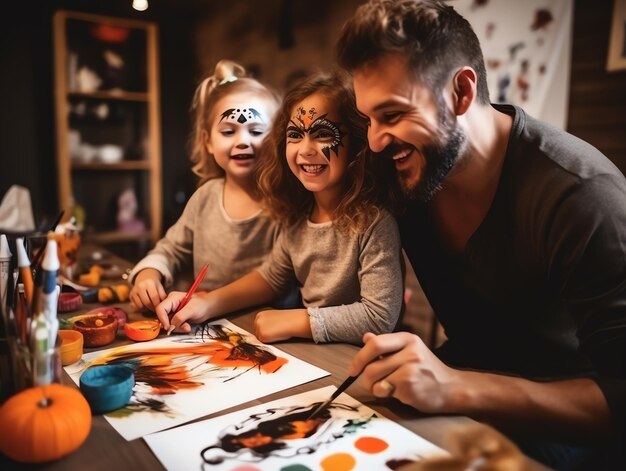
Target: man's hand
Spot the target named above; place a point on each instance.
(401, 365)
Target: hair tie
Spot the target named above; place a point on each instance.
(230, 78)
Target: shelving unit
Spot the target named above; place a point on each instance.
(107, 124)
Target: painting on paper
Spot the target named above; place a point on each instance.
(280, 435)
(182, 378)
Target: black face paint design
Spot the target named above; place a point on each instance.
(245, 114)
(319, 126)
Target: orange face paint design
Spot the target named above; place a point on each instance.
(371, 445)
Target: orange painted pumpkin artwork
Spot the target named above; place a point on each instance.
(44, 423)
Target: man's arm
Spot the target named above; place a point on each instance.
(568, 410)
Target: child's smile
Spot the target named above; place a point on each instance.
(317, 151)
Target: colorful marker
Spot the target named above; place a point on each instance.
(5, 267)
(23, 263)
(45, 325)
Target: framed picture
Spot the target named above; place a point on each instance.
(617, 41)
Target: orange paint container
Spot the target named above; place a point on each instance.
(97, 330)
(71, 346)
(141, 331)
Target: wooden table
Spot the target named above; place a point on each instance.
(106, 449)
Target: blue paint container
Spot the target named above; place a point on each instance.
(107, 387)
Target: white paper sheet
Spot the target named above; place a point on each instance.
(351, 436)
(181, 378)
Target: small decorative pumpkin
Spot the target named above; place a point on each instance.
(44, 423)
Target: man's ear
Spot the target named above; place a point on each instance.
(464, 87)
(207, 142)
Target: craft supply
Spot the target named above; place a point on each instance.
(122, 316)
(23, 263)
(117, 312)
(69, 302)
(107, 387)
(107, 294)
(349, 380)
(71, 346)
(190, 293)
(97, 330)
(142, 330)
(91, 278)
(5, 267)
(39, 255)
(45, 325)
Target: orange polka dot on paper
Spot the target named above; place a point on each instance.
(338, 462)
(371, 445)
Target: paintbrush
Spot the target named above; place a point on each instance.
(189, 294)
(349, 380)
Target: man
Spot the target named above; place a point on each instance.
(516, 231)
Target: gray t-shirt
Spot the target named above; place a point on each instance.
(204, 233)
(350, 283)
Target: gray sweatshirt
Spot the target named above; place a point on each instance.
(350, 283)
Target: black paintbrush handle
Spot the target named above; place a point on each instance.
(349, 380)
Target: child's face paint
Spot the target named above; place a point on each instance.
(240, 123)
(317, 147)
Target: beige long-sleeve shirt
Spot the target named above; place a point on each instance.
(204, 233)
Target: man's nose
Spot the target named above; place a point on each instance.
(377, 137)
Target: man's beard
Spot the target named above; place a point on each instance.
(439, 160)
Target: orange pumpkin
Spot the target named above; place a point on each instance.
(44, 423)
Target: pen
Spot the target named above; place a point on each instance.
(24, 265)
(5, 268)
(189, 294)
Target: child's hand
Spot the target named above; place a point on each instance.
(273, 326)
(195, 311)
(148, 291)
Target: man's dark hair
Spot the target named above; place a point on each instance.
(434, 38)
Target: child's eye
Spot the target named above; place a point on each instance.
(293, 135)
(227, 132)
(257, 132)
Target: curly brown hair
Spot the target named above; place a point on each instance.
(285, 196)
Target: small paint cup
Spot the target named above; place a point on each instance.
(71, 346)
(107, 387)
(97, 330)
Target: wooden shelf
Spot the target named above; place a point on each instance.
(124, 165)
(112, 95)
(112, 237)
(107, 94)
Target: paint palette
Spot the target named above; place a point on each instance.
(278, 435)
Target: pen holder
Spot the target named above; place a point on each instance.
(15, 370)
(46, 366)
